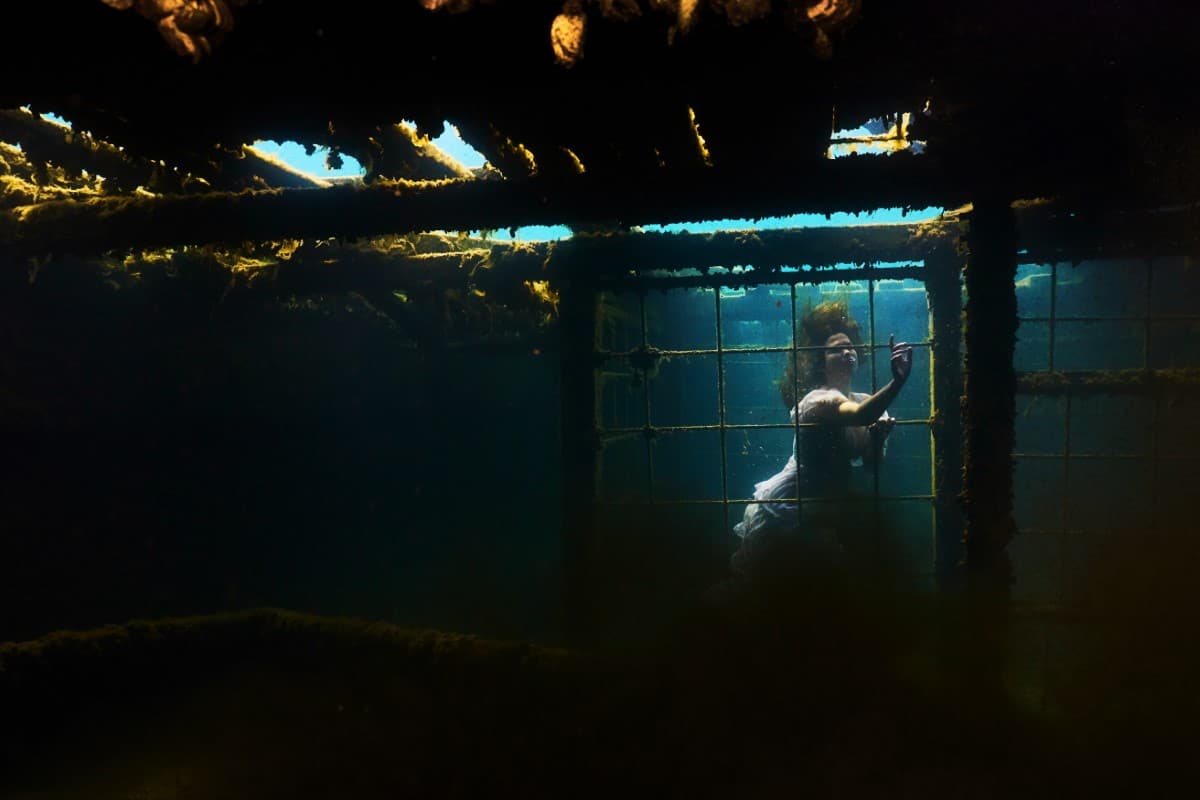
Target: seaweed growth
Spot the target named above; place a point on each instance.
(804, 372)
(24, 182)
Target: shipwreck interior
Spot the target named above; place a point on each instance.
(308, 475)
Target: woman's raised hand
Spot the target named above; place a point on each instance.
(901, 359)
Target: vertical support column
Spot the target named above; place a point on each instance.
(989, 404)
(944, 286)
(988, 418)
(580, 444)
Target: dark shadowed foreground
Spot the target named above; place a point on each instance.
(825, 680)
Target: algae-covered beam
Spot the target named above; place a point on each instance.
(850, 185)
(324, 266)
(42, 140)
(69, 664)
(615, 255)
(758, 277)
(612, 259)
(1110, 382)
(393, 151)
(330, 268)
(511, 158)
(244, 165)
(224, 168)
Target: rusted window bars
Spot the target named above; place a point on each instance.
(643, 359)
(1051, 506)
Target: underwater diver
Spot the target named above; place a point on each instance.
(839, 429)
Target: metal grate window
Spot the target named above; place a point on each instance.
(689, 412)
(1105, 439)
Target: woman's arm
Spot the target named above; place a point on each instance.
(870, 443)
(865, 412)
(877, 433)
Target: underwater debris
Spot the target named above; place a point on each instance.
(574, 160)
(395, 151)
(705, 156)
(645, 358)
(453, 6)
(741, 12)
(567, 32)
(25, 183)
(192, 28)
(896, 138)
(827, 16)
(543, 292)
(620, 10)
(516, 160)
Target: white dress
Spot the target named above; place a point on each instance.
(819, 466)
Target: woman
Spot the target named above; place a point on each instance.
(840, 428)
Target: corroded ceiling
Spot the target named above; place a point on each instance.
(670, 99)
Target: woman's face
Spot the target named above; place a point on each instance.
(840, 355)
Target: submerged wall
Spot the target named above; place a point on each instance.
(172, 453)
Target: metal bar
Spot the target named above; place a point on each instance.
(721, 424)
(647, 429)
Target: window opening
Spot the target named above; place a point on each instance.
(879, 136)
(1100, 348)
(689, 365)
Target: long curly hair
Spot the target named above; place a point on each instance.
(806, 371)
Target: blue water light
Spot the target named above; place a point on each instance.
(294, 155)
